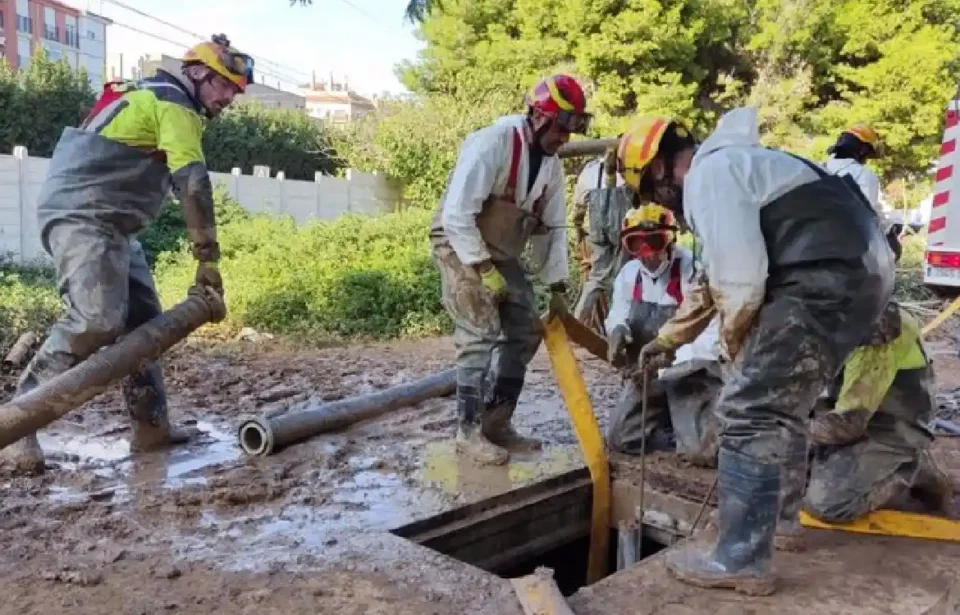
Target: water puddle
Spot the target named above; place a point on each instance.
(455, 475)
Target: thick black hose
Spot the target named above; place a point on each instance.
(56, 397)
(263, 435)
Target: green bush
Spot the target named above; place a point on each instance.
(28, 302)
(367, 277)
(168, 233)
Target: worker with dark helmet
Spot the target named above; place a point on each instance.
(849, 155)
(798, 270)
(106, 182)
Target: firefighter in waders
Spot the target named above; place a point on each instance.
(602, 200)
(646, 293)
(871, 449)
(507, 188)
(106, 182)
(798, 270)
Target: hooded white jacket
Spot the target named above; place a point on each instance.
(867, 180)
(731, 178)
(482, 170)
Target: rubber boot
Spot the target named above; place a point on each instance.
(496, 423)
(838, 428)
(933, 487)
(471, 442)
(790, 534)
(748, 499)
(146, 400)
(25, 457)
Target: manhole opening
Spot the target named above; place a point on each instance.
(510, 535)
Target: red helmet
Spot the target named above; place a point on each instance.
(561, 98)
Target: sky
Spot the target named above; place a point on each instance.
(362, 39)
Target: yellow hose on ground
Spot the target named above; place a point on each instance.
(893, 523)
(942, 317)
(574, 392)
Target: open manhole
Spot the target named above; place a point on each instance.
(510, 535)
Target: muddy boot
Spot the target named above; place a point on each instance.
(497, 423)
(790, 534)
(837, 428)
(24, 457)
(471, 442)
(146, 400)
(933, 487)
(748, 499)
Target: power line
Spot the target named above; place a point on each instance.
(259, 59)
(282, 78)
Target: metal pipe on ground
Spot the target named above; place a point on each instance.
(587, 147)
(263, 435)
(58, 396)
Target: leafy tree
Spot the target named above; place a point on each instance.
(286, 140)
(37, 103)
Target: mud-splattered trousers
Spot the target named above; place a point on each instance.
(830, 275)
(606, 208)
(851, 480)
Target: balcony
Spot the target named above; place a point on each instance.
(24, 24)
(71, 38)
(51, 33)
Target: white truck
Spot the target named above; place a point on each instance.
(941, 263)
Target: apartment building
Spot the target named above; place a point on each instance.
(332, 101)
(65, 33)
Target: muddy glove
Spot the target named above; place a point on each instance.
(192, 184)
(494, 281)
(656, 354)
(617, 344)
(558, 300)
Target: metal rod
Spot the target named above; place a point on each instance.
(587, 147)
(63, 393)
(643, 454)
(263, 435)
(703, 504)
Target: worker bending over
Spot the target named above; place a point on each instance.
(601, 198)
(871, 448)
(646, 293)
(798, 270)
(106, 182)
(849, 155)
(507, 188)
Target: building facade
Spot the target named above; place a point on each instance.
(65, 33)
(333, 102)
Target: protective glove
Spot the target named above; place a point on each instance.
(208, 274)
(558, 300)
(494, 281)
(617, 343)
(656, 354)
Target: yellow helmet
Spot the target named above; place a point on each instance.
(648, 229)
(866, 134)
(640, 144)
(223, 59)
(851, 141)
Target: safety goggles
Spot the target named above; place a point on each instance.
(643, 242)
(573, 122)
(239, 64)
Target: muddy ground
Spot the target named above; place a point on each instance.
(203, 529)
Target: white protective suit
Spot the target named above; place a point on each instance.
(483, 169)
(867, 180)
(655, 285)
(748, 178)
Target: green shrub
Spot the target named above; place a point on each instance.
(368, 277)
(169, 231)
(28, 302)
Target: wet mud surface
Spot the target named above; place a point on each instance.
(203, 528)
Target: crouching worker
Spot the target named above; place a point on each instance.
(507, 188)
(646, 293)
(106, 182)
(870, 451)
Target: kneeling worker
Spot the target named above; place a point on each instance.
(507, 188)
(646, 293)
(871, 449)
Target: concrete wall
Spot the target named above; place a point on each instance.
(325, 198)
